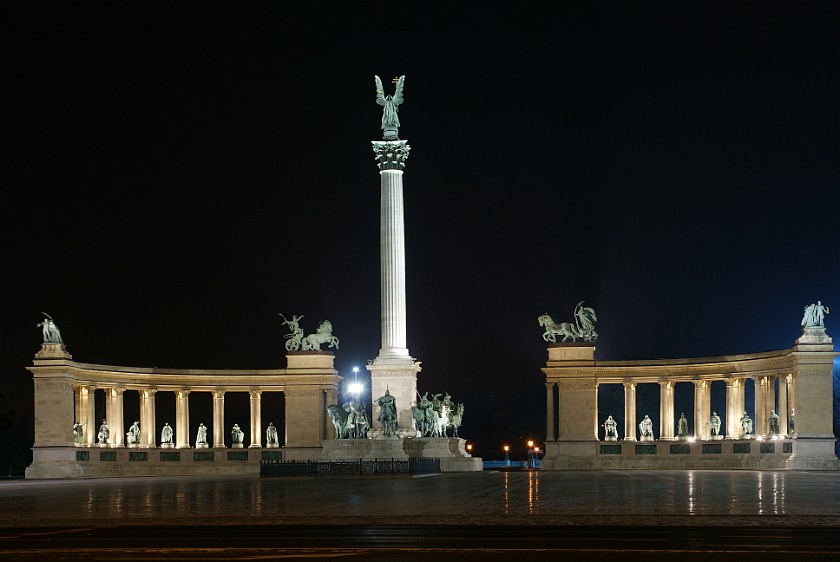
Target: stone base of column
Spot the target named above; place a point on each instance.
(399, 377)
(813, 454)
(273, 446)
(202, 446)
(167, 445)
(237, 446)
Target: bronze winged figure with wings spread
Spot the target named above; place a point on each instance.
(390, 121)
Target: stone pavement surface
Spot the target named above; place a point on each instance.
(626, 498)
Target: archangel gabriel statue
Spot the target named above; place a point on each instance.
(390, 121)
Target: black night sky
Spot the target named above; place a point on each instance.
(178, 173)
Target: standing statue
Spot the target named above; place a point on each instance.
(610, 429)
(201, 436)
(271, 435)
(583, 328)
(104, 434)
(293, 340)
(132, 437)
(646, 429)
(78, 432)
(774, 422)
(746, 426)
(814, 316)
(166, 434)
(714, 422)
(387, 412)
(236, 436)
(682, 427)
(390, 104)
(455, 418)
(49, 329)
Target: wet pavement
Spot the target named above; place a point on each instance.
(615, 513)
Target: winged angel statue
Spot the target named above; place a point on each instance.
(390, 121)
(583, 328)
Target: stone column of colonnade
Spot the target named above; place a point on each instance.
(733, 415)
(792, 403)
(256, 422)
(550, 435)
(182, 419)
(666, 410)
(629, 411)
(762, 385)
(88, 415)
(116, 424)
(701, 409)
(148, 429)
(218, 419)
(783, 408)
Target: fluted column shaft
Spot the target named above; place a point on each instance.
(761, 410)
(550, 434)
(699, 406)
(392, 263)
(732, 415)
(629, 411)
(256, 422)
(218, 419)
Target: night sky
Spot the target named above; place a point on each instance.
(178, 173)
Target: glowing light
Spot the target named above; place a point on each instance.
(530, 444)
(355, 388)
(506, 448)
(692, 439)
(469, 447)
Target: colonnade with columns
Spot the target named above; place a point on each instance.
(802, 375)
(65, 394)
(149, 429)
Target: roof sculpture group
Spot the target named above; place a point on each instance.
(582, 328)
(297, 341)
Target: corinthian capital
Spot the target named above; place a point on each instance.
(391, 155)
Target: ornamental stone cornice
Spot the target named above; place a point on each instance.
(391, 155)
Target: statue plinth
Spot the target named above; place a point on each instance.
(237, 446)
(167, 445)
(272, 446)
(51, 350)
(202, 446)
(313, 359)
(814, 339)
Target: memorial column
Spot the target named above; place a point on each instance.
(550, 434)
(219, 419)
(256, 423)
(629, 411)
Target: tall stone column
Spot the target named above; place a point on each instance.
(256, 422)
(77, 404)
(182, 419)
(117, 426)
(148, 429)
(109, 402)
(393, 369)
(771, 402)
(629, 411)
(783, 410)
(792, 402)
(218, 419)
(550, 434)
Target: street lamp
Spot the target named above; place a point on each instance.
(469, 448)
(507, 458)
(355, 387)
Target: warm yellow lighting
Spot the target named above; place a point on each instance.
(530, 444)
(506, 448)
(469, 447)
(536, 449)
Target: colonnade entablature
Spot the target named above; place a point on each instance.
(65, 399)
(791, 390)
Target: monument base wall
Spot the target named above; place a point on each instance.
(813, 454)
(677, 455)
(450, 450)
(108, 462)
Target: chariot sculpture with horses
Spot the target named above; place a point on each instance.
(582, 328)
(296, 340)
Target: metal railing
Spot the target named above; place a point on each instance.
(327, 469)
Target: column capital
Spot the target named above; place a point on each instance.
(149, 392)
(629, 385)
(255, 393)
(117, 390)
(218, 394)
(182, 393)
(391, 155)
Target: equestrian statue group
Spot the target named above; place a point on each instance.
(433, 417)
(296, 341)
(583, 327)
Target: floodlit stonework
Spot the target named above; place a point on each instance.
(574, 438)
(64, 394)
